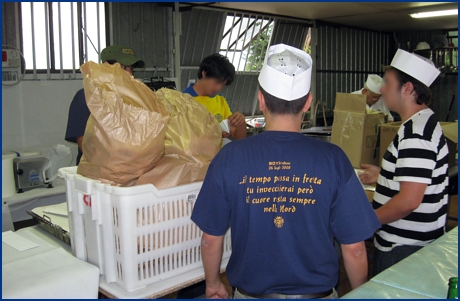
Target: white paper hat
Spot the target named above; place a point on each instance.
(374, 83)
(286, 72)
(416, 66)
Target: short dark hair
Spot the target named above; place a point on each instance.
(219, 67)
(423, 93)
(278, 106)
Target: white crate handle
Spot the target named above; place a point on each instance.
(95, 209)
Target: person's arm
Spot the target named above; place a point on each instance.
(80, 143)
(355, 262)
(78, 117)
(409, 197)
(211, 252)
(238, 121)
(370, 175)
(240, 132)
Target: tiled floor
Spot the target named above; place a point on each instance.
(344, 284)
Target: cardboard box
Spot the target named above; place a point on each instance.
(355, 130)
(388, 132)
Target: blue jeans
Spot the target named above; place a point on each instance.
(384, 260)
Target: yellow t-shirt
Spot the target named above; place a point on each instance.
(217, 105)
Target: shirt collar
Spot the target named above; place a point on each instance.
(193, 93)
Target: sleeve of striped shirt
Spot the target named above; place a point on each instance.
(416, 161)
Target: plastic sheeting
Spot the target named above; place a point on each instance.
(425, 274)
(374, 290)
(124, 136)
(427, 271)
(193, 138)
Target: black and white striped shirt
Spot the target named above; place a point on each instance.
(418, 154)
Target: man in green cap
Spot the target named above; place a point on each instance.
(79, 112)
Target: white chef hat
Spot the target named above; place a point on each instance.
(374, 83)
(416, 66)
(286, 72)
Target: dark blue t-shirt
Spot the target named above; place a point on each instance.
(78, 116)
(285, 197)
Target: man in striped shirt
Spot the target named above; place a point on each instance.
(411, 193)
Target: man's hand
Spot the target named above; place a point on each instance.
(216, 292)
(232, 132)
(370, 175)
(237, 119)
(238, 122)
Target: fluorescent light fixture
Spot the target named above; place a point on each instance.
(439, 13)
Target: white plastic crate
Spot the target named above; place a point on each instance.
(137, 235)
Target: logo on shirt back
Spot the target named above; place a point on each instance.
(279, 221)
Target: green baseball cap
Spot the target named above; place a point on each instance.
(123, 55)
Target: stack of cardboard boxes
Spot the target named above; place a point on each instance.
(355, 129)
(450, 129)
(364, 136)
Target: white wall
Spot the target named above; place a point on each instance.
(34, 114)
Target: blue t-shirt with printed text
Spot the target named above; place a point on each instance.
(285, 197)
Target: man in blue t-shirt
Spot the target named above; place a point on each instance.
(285, 197)
(78, 111)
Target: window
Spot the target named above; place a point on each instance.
(307, 44)
(452, 37)
(62, 35)
(245, 41)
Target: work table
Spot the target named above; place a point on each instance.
(424, 274)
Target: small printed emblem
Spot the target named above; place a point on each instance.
(279, 221)
(191, 198)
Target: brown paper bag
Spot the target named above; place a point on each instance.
(124, 136)
(193, 138)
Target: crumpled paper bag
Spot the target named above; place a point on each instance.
(124, 136)
(193, 138)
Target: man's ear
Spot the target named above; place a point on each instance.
(364, 91)
(307, 105)
(203, 74)
(408, 88)
(260, 97)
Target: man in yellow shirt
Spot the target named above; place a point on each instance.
(215, 72)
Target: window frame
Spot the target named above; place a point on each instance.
(79, 47)
(228, 49)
